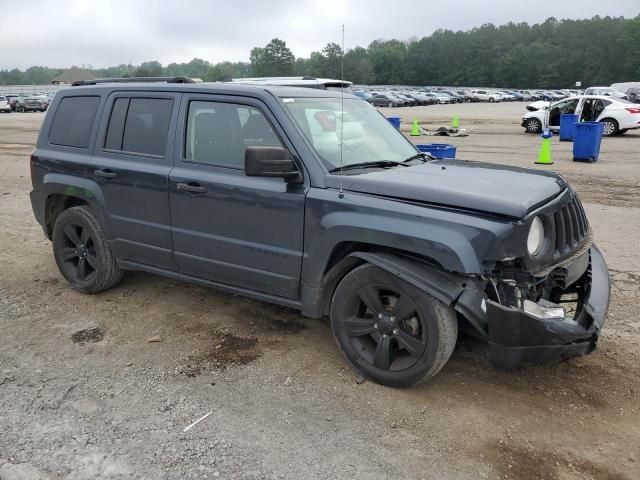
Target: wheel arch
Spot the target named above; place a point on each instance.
(615, 122)
(538, 120)
(344, 257)
(55, 204)
(61, 191)
(462, 293)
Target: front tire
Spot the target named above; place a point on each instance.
(610, 127)
(389, 330)
(533, 125)
(82, 252)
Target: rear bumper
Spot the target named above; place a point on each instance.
(516, 337)
(630, 124)
(32, 107)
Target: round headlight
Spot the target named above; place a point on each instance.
(535, 240)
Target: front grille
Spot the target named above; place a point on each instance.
(571, 227)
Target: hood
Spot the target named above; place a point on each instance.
(496, 189)
(539, 105)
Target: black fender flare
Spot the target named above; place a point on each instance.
(465, 294)
(81, 188)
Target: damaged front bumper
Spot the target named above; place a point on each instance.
(523, 336)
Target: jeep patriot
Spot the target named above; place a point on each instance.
(298, 197)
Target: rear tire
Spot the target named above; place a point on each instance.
(389, 330)
(82, 252)
(610, 127)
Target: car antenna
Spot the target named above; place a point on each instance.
(341, 194)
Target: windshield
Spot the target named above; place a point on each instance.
(368, 136)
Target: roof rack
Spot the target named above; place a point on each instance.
(305, 81)
(96, 81)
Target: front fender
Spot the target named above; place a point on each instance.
(464, 294)
(454, 240)
(442, 285)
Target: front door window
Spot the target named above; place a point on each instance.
(567, 106)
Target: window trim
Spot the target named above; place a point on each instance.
(183, 146)
(106, 133)
(137, 95)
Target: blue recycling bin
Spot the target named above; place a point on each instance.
(567, 124)
(395, 121)
(586, 141)
(438, 150)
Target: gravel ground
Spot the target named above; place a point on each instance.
(103, 386)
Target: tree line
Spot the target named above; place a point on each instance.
(552, 54)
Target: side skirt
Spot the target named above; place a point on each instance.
(265, 297)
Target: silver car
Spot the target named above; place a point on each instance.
(4, 105)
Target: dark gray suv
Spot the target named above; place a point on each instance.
(281, 194)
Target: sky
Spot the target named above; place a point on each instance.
(102, 33)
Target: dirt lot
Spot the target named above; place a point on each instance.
(84, 394)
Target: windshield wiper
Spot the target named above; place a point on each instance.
(423, 156)
(376, 164)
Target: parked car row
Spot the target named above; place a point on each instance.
(22, 103)
(409, 96)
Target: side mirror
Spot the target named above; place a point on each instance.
(262, 161)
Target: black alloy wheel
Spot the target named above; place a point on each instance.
(386, 328)
(389, 330)
(78, 252)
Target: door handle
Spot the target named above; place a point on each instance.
(191, 187)
(105, 173)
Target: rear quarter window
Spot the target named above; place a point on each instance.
(73, 121)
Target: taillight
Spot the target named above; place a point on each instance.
(633, 109)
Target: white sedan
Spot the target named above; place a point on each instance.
(618, 115)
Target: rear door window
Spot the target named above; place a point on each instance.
(139, 125)
(73, 121)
